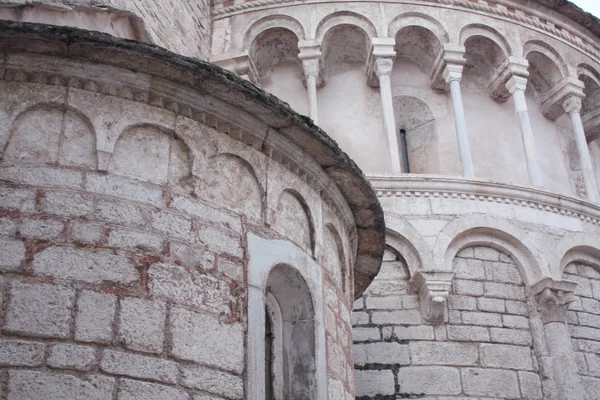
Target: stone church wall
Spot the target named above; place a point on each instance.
(482, 350)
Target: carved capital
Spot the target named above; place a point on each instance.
(553, 105)
(433, 288)
(502, 85)
(381, 59)
(572, 104)
(450, 55)
(310, 55)
(453, 72)
(554, 298)
(516, 83)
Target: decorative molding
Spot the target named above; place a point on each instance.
(433, 288)
(554, 298)
(553, 106)
(497, 8)
(273, 148)
(437, 186)
(381, 59)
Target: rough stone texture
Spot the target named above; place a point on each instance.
(36, 385)
(137, 366)
(95, 316)
(69, 356)
(19, 353)
(141, 325)
(212, 381)
(136, 390)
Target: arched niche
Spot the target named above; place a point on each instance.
(416, 119)
(546, 68)
(293, 219)
(153, 154)
(291, 312)
(418, 45)
(591, 102)
(345, 46)
(484, 57)
(277, 21)
(231, 181)
(334, 259)
(342, 18)
(47, 134)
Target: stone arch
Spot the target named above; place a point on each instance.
(271, 22)
(272, 47)
(345, 46)
(344, 18)
(490, 232)
(591, 81)
(230, 180)
(51, 133)
(407, 249)
(415, 19)
(474, 30)
(335, 258)
(575, 248)
(546, 67)
(419, 44)
(293, 219)
(153, 154)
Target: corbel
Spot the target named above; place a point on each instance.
(554, 298)
(433, 288)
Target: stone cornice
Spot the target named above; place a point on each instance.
(437, 186)
(212, 96)
(504, 9)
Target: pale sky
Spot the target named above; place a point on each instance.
(591, 6)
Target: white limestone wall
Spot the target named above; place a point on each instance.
(123, 241)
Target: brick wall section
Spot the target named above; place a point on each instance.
(482, 350)
(584, 325)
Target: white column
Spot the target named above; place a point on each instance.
(311, 73)
(453, 75)
(573, 107)
(516, 86)
(383, 69)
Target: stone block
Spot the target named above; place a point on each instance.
(486, 253)
(420, 332)
(358, 304)
(47, 229)
(516, 307)
(429, 381)
(490, 305)
(381, 353)
(410, 301)
(515, 322)
(206, 212)
(95, 316)
(374, 383)
(531, 386)
(41, 385)
(20, 353)
(86, 232)
(593, 363)
(234, 270)
(481, 318)
(123, 188)
(134, 240)
(142, 324)
(8, 226)
(220, 241)
(402, 317)
(584, 332)
(192, 256)
(71, 356)
(440, 353)
(212, 381)
(42, 176)
(456, 302)
(13, 199)
(503, 273)
(120, 212)
(384, 303)
(67, 204)
(137, 366)
(12, 254)
(200, 338)
(591, 387)
(360, 318)
(85, 265)
(469, 269)
(366, 334)
(467, 287)
(494, 383)
(511, 336)
(506, 357)
(587, 319)
(137, 390)
(41, 310)
(189, 287)
(504, 291)
(464, 333)
(172, 225)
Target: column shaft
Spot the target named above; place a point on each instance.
(311, 87)
(464, 148)
(385, 89)
(589, 178)
(533, 167)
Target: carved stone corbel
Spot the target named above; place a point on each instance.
(450, 59)
(433, 288)
(554, 101)
(381, 59)
(312, 62)
(500, 83)
(554, 298)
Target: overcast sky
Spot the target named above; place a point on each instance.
(592, 6)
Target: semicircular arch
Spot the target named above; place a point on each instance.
(414, 19)
(271, 22)
(344, 18)
(479, 30)
(575, 248)
(536, 46)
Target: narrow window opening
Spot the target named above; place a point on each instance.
(404, 151)
(269, 392)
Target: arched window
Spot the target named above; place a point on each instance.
(290, 363)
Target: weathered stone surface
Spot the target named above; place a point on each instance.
(38, 385)
(91, 266)
(137, 366)
(136, 390)
(435, 353)
(20, 353)
(12, 254)
(490, 383)
(71, 356)
(199, 337)
(142, 325)
(381, 353)
(506, 356)
(429, 380)
(212, 381)
(46, 229)
(373, 383)
(95, 317)
(41, 310)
